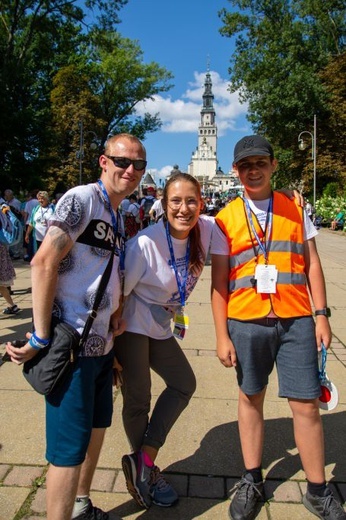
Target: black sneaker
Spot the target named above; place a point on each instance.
(11, 310)
(92, 513)
(326, 507)
(245, 501)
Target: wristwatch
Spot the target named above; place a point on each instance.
(323, 312)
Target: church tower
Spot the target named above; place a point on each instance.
(204, 161)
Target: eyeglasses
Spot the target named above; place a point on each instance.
(176, 204)
(124, 162)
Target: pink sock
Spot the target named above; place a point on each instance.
(147, 460)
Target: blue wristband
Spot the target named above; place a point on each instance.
(34, 343)
(38, 343)
(41, 341)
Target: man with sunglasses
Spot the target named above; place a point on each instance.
(66, 272)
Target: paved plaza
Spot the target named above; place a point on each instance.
(202, 456)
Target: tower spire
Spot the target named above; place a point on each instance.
(204, 160)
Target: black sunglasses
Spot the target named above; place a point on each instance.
(124, 162)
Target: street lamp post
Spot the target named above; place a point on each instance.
(302, 145)
(81, 149)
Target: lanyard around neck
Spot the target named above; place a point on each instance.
(181, 281)
(263, 244)
(115, 221)
(115, 224)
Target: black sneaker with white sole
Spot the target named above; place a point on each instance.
(245, 502)
(326, 507)
(92, 513)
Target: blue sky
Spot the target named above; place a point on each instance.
(182, 35)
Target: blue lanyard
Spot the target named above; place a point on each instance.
(181, 282)
(115, 224)
(322, 368)
(264, 245)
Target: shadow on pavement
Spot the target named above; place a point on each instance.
(219, 456)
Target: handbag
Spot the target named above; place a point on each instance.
(51, 366)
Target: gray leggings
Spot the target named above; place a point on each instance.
(137, 354)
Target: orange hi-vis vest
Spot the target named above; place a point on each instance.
(285, 251)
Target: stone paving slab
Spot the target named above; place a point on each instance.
(202, 456)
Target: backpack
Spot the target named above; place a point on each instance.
(138, 216)
(11, 229)
(145, 208)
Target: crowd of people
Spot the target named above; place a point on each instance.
(33, 214)
(265, 269)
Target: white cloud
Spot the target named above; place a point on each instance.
(184, 114)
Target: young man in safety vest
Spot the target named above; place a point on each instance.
(264, 265)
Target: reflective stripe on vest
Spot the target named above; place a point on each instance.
(278, 246)
(283, 278)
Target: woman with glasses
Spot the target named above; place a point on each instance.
(162, 266)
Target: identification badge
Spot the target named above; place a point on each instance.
(181, 324)
(266, 277)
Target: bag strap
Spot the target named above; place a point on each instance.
(100, 292)
(107, 273)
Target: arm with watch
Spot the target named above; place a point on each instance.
(317, 288)
(323, 312)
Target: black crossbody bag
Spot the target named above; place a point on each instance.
(52, 365)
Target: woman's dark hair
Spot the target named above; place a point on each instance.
(197, 253)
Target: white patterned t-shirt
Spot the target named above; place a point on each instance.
(83, 213)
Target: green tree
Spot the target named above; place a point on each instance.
(45, 45)
(102, 91)
(34, 38)
(281, 47)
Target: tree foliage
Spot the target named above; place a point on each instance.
(58, 69)
(283, 51)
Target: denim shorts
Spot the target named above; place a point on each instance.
(289, 343)
(83, 403)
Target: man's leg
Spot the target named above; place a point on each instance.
(62, 484)
(89, 465)
(73, 447)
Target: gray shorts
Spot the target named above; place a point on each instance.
(289, 343)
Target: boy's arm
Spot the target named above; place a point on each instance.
(219, 301)
(317, 288)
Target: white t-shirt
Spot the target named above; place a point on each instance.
(83, 213)
(150, 283)
(157, 208)
(39, 220)
(219, 244)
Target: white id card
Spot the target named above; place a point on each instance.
(266, 276)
